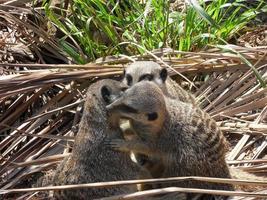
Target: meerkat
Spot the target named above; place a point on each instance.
(176, 135)
(152, 71)
(91, 160)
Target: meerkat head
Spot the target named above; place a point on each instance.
(144, 105)
(145, 70)
(101, 94)
(110, 90)
(105, 91)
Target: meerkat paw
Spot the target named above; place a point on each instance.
(118, 145)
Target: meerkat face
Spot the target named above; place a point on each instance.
(143, 103)
(144, 71)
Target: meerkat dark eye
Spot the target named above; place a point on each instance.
(148, 77)
(163, 74)
(152, 116)
(129, 79)
(105, 92)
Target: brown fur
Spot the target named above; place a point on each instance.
(183, 138)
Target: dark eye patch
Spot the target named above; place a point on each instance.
(152, 116)
(148, 77)
(129, 79)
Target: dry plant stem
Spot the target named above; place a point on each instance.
(41, 160)
(230, 162)
(230, 87)
(56, 110)
(132, 182)
(56, 66)
(187, 190)
(23, 133)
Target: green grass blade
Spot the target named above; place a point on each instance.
(203, 13)
(256, 72)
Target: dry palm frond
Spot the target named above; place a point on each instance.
(34, 35)
(155, 191)
(41, 104)
(40, 100)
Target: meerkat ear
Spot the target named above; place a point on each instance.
(124, 72)
(163, 74)
(105, 93)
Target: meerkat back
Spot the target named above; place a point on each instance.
(151, 71)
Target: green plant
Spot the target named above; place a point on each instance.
(98, 28)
